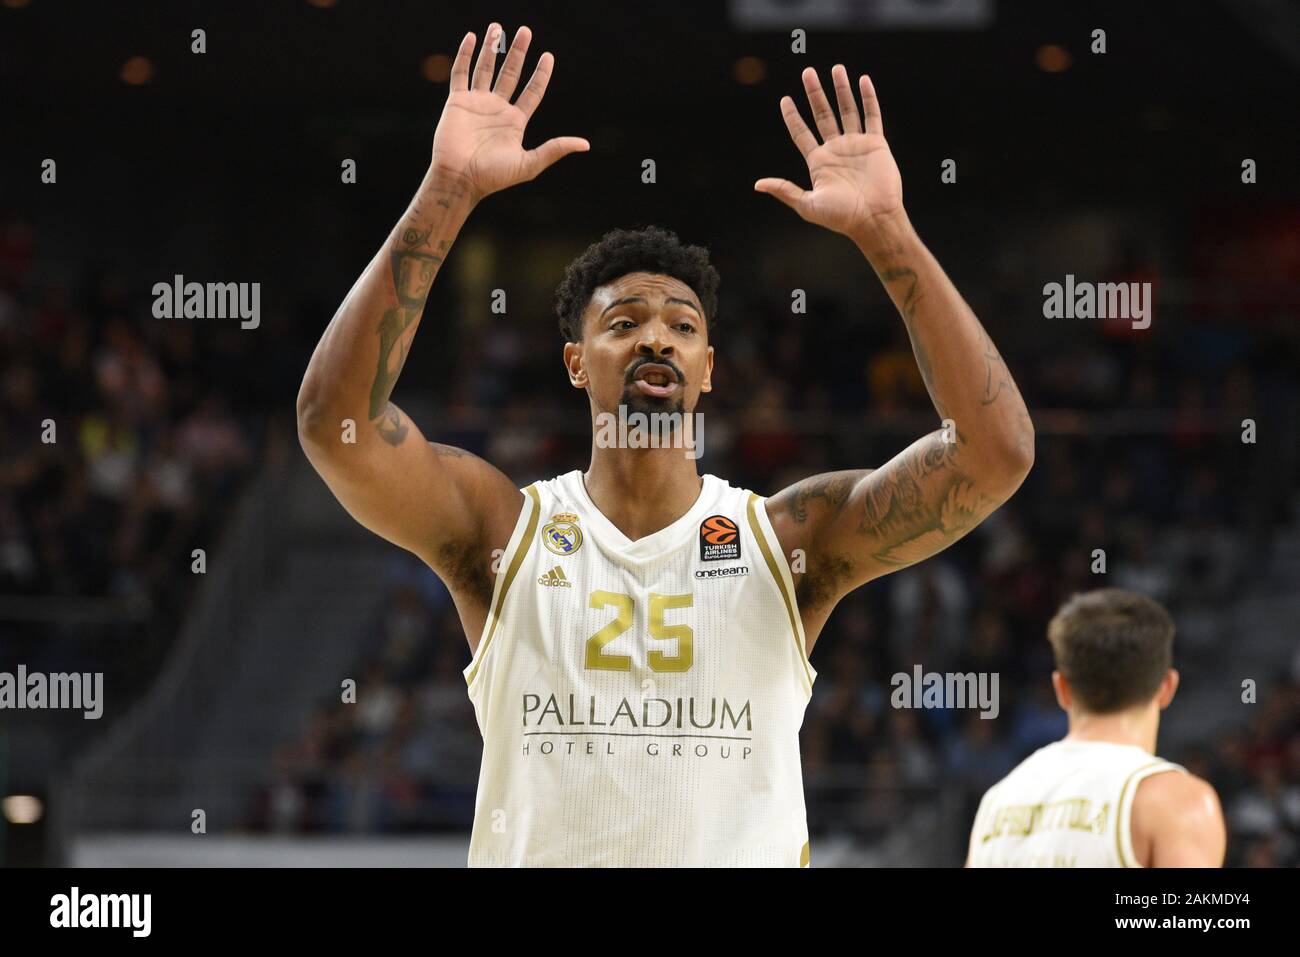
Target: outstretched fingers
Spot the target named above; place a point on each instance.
(486, 64)
(804, 141)
(871, 106)
(508, 79)
(552, 151)
(784, 190)
(823, 116)
(460, 66)
(844, 97)
(536, 88)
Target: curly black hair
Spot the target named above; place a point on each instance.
(621, 251)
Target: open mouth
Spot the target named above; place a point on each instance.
(655, 379)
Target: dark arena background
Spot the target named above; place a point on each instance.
(161, 526)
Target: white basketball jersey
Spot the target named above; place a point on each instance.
(1068, 804)
(640, 701)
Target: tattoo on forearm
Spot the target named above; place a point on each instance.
(927, 376)
(997, 378)
(413, 275)
(391, 335)
(913, 295)
(998, 381)
(911, 299)
(413, 270)
(413, 237)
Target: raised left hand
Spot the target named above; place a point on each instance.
(856, 186)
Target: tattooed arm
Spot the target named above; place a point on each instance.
(428, 498)
(856, 526)
(443, 504)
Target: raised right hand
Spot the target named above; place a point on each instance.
(480, 136)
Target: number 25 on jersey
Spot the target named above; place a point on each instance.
(658, 660)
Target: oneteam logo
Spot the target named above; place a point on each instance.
(731, 571)
(555, 579)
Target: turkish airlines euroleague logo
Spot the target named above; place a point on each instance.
(719, 539)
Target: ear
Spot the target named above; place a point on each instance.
(573, 365)
(707, 384)
(1168, 688)
(1062, 689)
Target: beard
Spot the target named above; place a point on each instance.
(637, 401)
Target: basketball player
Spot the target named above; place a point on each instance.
(640, 634)
(1100, 797)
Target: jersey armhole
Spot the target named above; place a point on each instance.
(511, 559)
(1124, 811)
(779, 568)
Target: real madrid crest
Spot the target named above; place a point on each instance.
(562, 534)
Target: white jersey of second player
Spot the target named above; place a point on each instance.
(1069, 804)
(640, 701)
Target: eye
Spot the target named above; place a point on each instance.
(686, 326)
(619, 324)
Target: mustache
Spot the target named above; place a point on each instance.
(645, 361)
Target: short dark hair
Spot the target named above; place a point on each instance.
(622, 251)
(1113, 646)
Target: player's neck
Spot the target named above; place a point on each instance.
(642, 490)
(1128, 727)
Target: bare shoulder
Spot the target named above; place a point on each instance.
(1173, 794)
(1177, 821)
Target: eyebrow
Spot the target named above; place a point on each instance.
(637, 299)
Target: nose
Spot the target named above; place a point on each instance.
(654, 340)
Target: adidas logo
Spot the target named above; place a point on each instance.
(555, 579)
